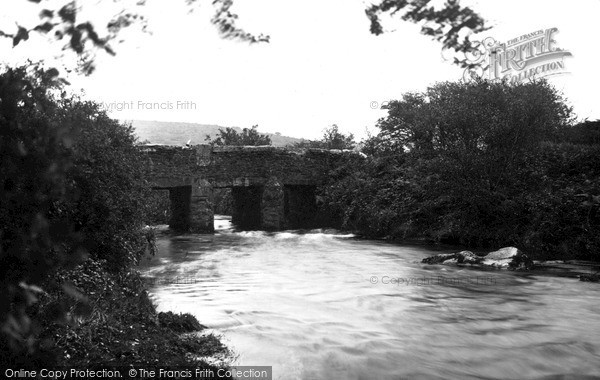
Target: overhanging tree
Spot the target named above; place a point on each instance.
(451, 24)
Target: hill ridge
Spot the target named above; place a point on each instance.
(179, 133)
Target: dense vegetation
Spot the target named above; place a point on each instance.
(248, 136)
(332, 138)
(479, 164)
(73, 202)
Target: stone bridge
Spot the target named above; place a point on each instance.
(272, 188)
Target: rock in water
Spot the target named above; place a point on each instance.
(463, 257)
(508, 257)
(468, 257)
(439, 259)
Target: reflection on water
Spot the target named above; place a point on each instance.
(323, 305)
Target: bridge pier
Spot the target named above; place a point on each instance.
(272, 205)
(201, 217)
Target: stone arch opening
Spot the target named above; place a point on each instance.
(180, 207)
(300, 206)
(246, 213)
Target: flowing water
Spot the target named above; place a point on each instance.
(324, 305)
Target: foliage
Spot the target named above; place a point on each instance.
(179, 322)
(63, 23)
(158, 207)
(332, 139)
(565, 216)
(109, 176)
(479, 164)
(35, 237)
(121, 327)
(225, 21)
(230, 136)
(449, 24)
(223, 201)
(587, 133)
(73, 185)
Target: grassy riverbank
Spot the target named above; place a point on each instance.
(111, 321)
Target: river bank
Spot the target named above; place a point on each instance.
(112, 322)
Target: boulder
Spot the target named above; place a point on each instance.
(508, 257)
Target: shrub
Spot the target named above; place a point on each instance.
(73, 185)
(479, 164)
(36, 236)
(109, 175)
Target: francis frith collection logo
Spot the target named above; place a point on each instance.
(530, 56)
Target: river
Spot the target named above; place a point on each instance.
(325, 305)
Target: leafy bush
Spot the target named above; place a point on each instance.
(109, 175)
(565, 213)
(158, 207)
(249, 136)
(73, 185)
(479, 164)
(35, 235)
(332, 139)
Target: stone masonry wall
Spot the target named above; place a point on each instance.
(227, 166)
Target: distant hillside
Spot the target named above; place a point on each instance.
(175, 133)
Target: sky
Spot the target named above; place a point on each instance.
(321, 67)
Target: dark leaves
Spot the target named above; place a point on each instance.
(249, 136)
(225, 21)
(109, 50)
(46, 13)
(76, 42)
(63, 24)
(445, 25)
(68, 13)
(91, 33)
(44, 28)
(22, 35)
(50, 74)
